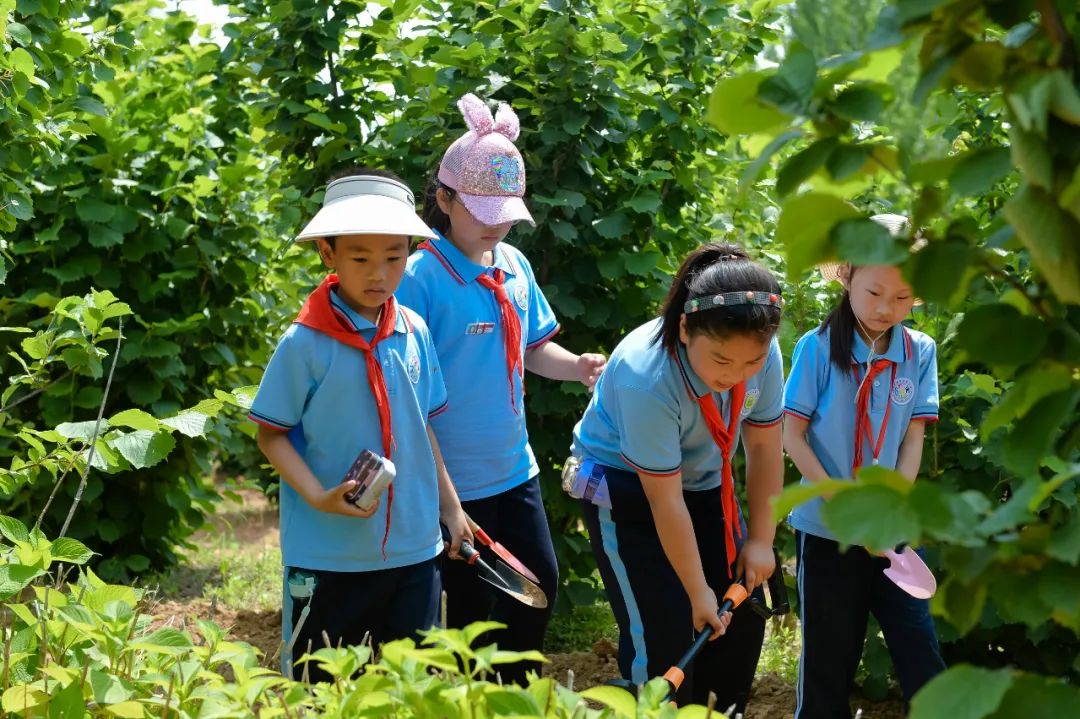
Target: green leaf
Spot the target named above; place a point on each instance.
(622, 701)
(980, 335)
(845, 160)
(645, 201)
(858, 104)
(804, 228)
(82, 430)
(563, 198)
(1018, 400)
(13, 530)
(73, 43)
(962, 604)
(70, 550)
(796, 494)
(92, 105)
(165, 640)
(91, 209)
(792, 87)
(936, 270)
(15, 577)
(189, 423)
(865, 242)
(1030, 153)
(961, 692)
(143, 448)
(1038, 697)
(803, 164)
(1030, 440)
(135, 419)
(979, 170)
(20, 33)
(108, 689)
(895, 522)
(614, 226)
(130, 709)
(21, 61)
(320, 120)
(1050, 235)
(753, 170)
(735, 110)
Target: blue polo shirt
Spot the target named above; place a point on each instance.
(817, 391)
(642, 417)
(316, 388)
(483, 439)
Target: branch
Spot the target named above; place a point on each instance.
(1054, 27)
(97, 429)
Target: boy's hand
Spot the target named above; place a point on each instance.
(454, 520)
(332, 501)
(590, 366)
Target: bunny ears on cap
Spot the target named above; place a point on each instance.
(483, 165)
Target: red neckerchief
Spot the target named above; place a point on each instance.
(725, 440)
(511, 328)
(319, 314)
(511, 323)
(863, 425)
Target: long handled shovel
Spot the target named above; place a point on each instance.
(735, 595)
(501, 576)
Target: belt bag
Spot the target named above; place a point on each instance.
(584, 479)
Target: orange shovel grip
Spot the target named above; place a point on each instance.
(675, 677)
(737, 594)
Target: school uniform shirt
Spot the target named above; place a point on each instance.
(818, 392)
(644, 414)
(316, 388)
(482, 435)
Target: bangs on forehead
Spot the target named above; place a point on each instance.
(372, 243)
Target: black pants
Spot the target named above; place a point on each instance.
(515, 519)
(650, 604)
(386, 604)
(837, 593)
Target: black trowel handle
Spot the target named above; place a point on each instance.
(467, 551)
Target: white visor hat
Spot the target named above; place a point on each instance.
(366, 205)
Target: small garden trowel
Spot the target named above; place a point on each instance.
(502, 577)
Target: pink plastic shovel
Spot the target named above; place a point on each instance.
(908, 571)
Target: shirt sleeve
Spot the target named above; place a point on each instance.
(540, 322)
(437, 397)
(926, 397)
(649, 431)
(287, 383)
(769, 408)
(802, 391)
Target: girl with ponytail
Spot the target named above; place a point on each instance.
(861, 390)
(677, 396)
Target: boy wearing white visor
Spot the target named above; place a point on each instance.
(356, 374)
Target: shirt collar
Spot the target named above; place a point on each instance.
(690, 378)
(465, 269)
(898, 350)
(361, 323)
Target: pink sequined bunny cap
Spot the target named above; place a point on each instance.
(484, 167)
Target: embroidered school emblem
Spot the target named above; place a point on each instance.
(507, 172)
(521, 296)
(750, 402)
(903, 390)
(412, 365)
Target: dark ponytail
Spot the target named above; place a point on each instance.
(841, 325)
(433, 215)
(712, 269)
